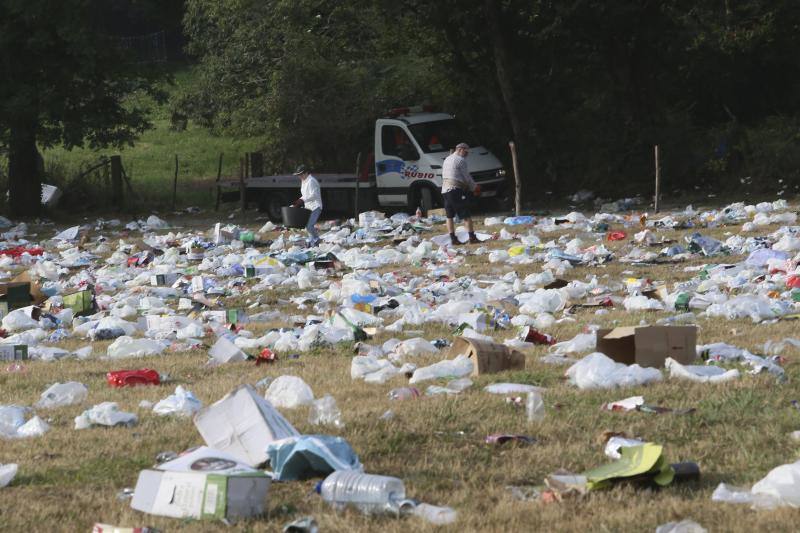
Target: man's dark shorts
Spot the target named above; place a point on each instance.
(456, 202)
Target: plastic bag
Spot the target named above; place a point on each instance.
(582, 342)
(642, 303)
(541, 301)
(459, 367)
(60, 394)
(325, 411)
(289, 392)
(125, 346)
(684, 526)
(438, 516)
(181, 403)
(7, 473)
(596, 371)
(306, 456)
(781, 487)
(19, 320)
(700, 374)
(104, 414)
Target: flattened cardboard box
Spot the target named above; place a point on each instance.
(648, 346)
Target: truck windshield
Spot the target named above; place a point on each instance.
(439, 135)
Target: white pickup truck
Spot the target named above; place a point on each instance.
(404, 170)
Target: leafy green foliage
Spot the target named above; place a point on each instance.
(65, 81)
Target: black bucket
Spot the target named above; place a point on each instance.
(295, 217)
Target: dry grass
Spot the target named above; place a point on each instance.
(70, 479)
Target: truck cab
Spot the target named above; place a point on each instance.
(410, 146)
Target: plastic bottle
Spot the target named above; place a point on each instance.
(534, 407)
(419, 212)
(369, 493)
(404, 393)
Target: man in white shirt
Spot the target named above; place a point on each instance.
(311, 198)
(458, 187)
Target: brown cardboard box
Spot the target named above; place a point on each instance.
(488, 357)
(648, 346)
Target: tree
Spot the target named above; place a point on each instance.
(65, 81)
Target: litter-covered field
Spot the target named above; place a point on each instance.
(607, 371)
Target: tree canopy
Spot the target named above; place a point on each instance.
(584, 87)
(65, 81)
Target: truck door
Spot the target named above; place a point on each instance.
(394, 150)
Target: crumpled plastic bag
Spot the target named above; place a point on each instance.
(596, 371)
(699, 373)
(13, 425)
(325, 411)
(182, 403)
(642, 303)
(289, 392)
(60, 394)
(582, 342)
(7, 473)
(541, 301)
(19, 320)
(415, 347)
(104, 414)
(125, 346)
(307, 456)
(684, 526)
(779, 488)
(457, 368)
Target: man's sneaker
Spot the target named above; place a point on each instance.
(473, 239)
(454, 240)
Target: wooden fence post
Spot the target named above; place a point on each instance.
(175, 184)
(358, 181)
(658, 181)
(116, 181)
(219, 177)
(517, 180)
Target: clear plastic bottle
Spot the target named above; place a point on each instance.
(404, 393)
(534, 407)
(369, 493)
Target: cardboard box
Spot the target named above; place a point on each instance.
(242, 423)
(205, 483)
(13, 352)
(488, 357)
(15, 294)
(80, 302)
(648, 346)
(163, 280)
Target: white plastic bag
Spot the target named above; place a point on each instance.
(289, 392)
(459, 367)
(582, 342)
(325, 411)
(699, 374)
(596, 371)
(104, 414)
(7, 473)
(60, 394)
(182, 403)
(125, 346)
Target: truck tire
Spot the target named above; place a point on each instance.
(426, 200)
(272, 203)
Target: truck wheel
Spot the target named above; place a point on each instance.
(272, 203)
(426, 200)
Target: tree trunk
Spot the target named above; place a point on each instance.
(24, 181)
(503, 71)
